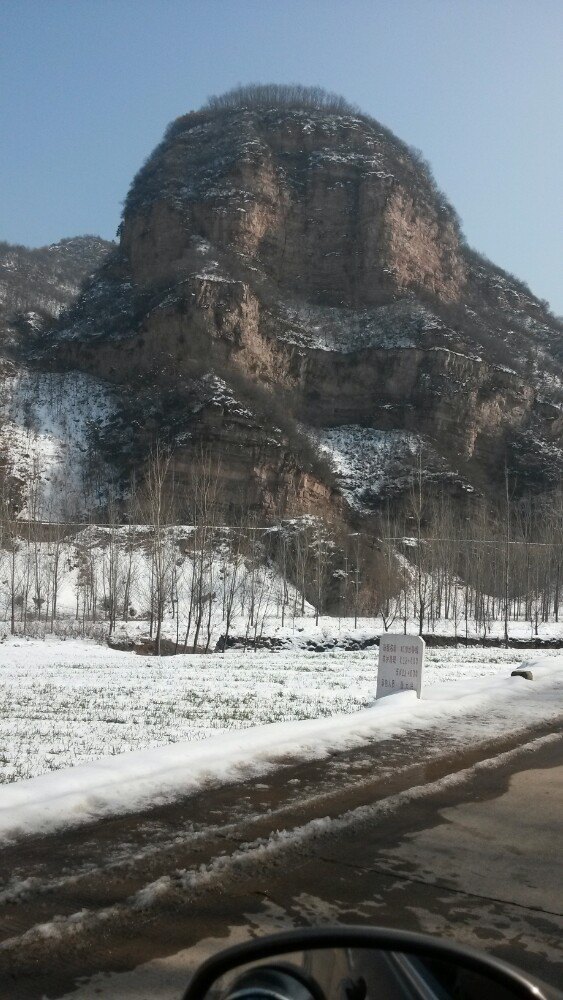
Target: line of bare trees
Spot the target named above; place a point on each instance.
(166, 557)
(477, 565)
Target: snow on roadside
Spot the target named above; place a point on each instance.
(64, 703)
(132, 781)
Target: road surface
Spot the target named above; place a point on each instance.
(427, 835)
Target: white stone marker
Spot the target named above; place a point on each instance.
(401, 658)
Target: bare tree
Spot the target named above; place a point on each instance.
(203, 507)
(157, 501)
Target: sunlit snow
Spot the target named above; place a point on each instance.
(312, 707)
(47, 421)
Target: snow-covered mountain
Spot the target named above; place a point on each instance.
(292, 293)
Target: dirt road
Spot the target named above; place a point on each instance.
(418, 836)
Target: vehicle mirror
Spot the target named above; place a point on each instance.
(357, 964)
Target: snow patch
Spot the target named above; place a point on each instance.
(369, 462)
(331, 328)
(47, 425)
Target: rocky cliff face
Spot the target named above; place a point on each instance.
(291, 289)
(328, 206)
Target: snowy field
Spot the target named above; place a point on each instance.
(89, 706)
(64, 703)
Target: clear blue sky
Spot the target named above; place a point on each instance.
(88, 86)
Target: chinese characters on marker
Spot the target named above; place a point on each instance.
(400, 664)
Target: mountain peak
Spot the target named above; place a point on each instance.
(282, 244)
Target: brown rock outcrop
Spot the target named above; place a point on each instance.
(306, 258)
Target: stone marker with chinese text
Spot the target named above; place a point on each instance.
(401, 658)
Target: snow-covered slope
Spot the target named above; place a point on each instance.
(371, 465)
(48, 429)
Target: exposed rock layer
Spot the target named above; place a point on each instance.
(307, 259)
